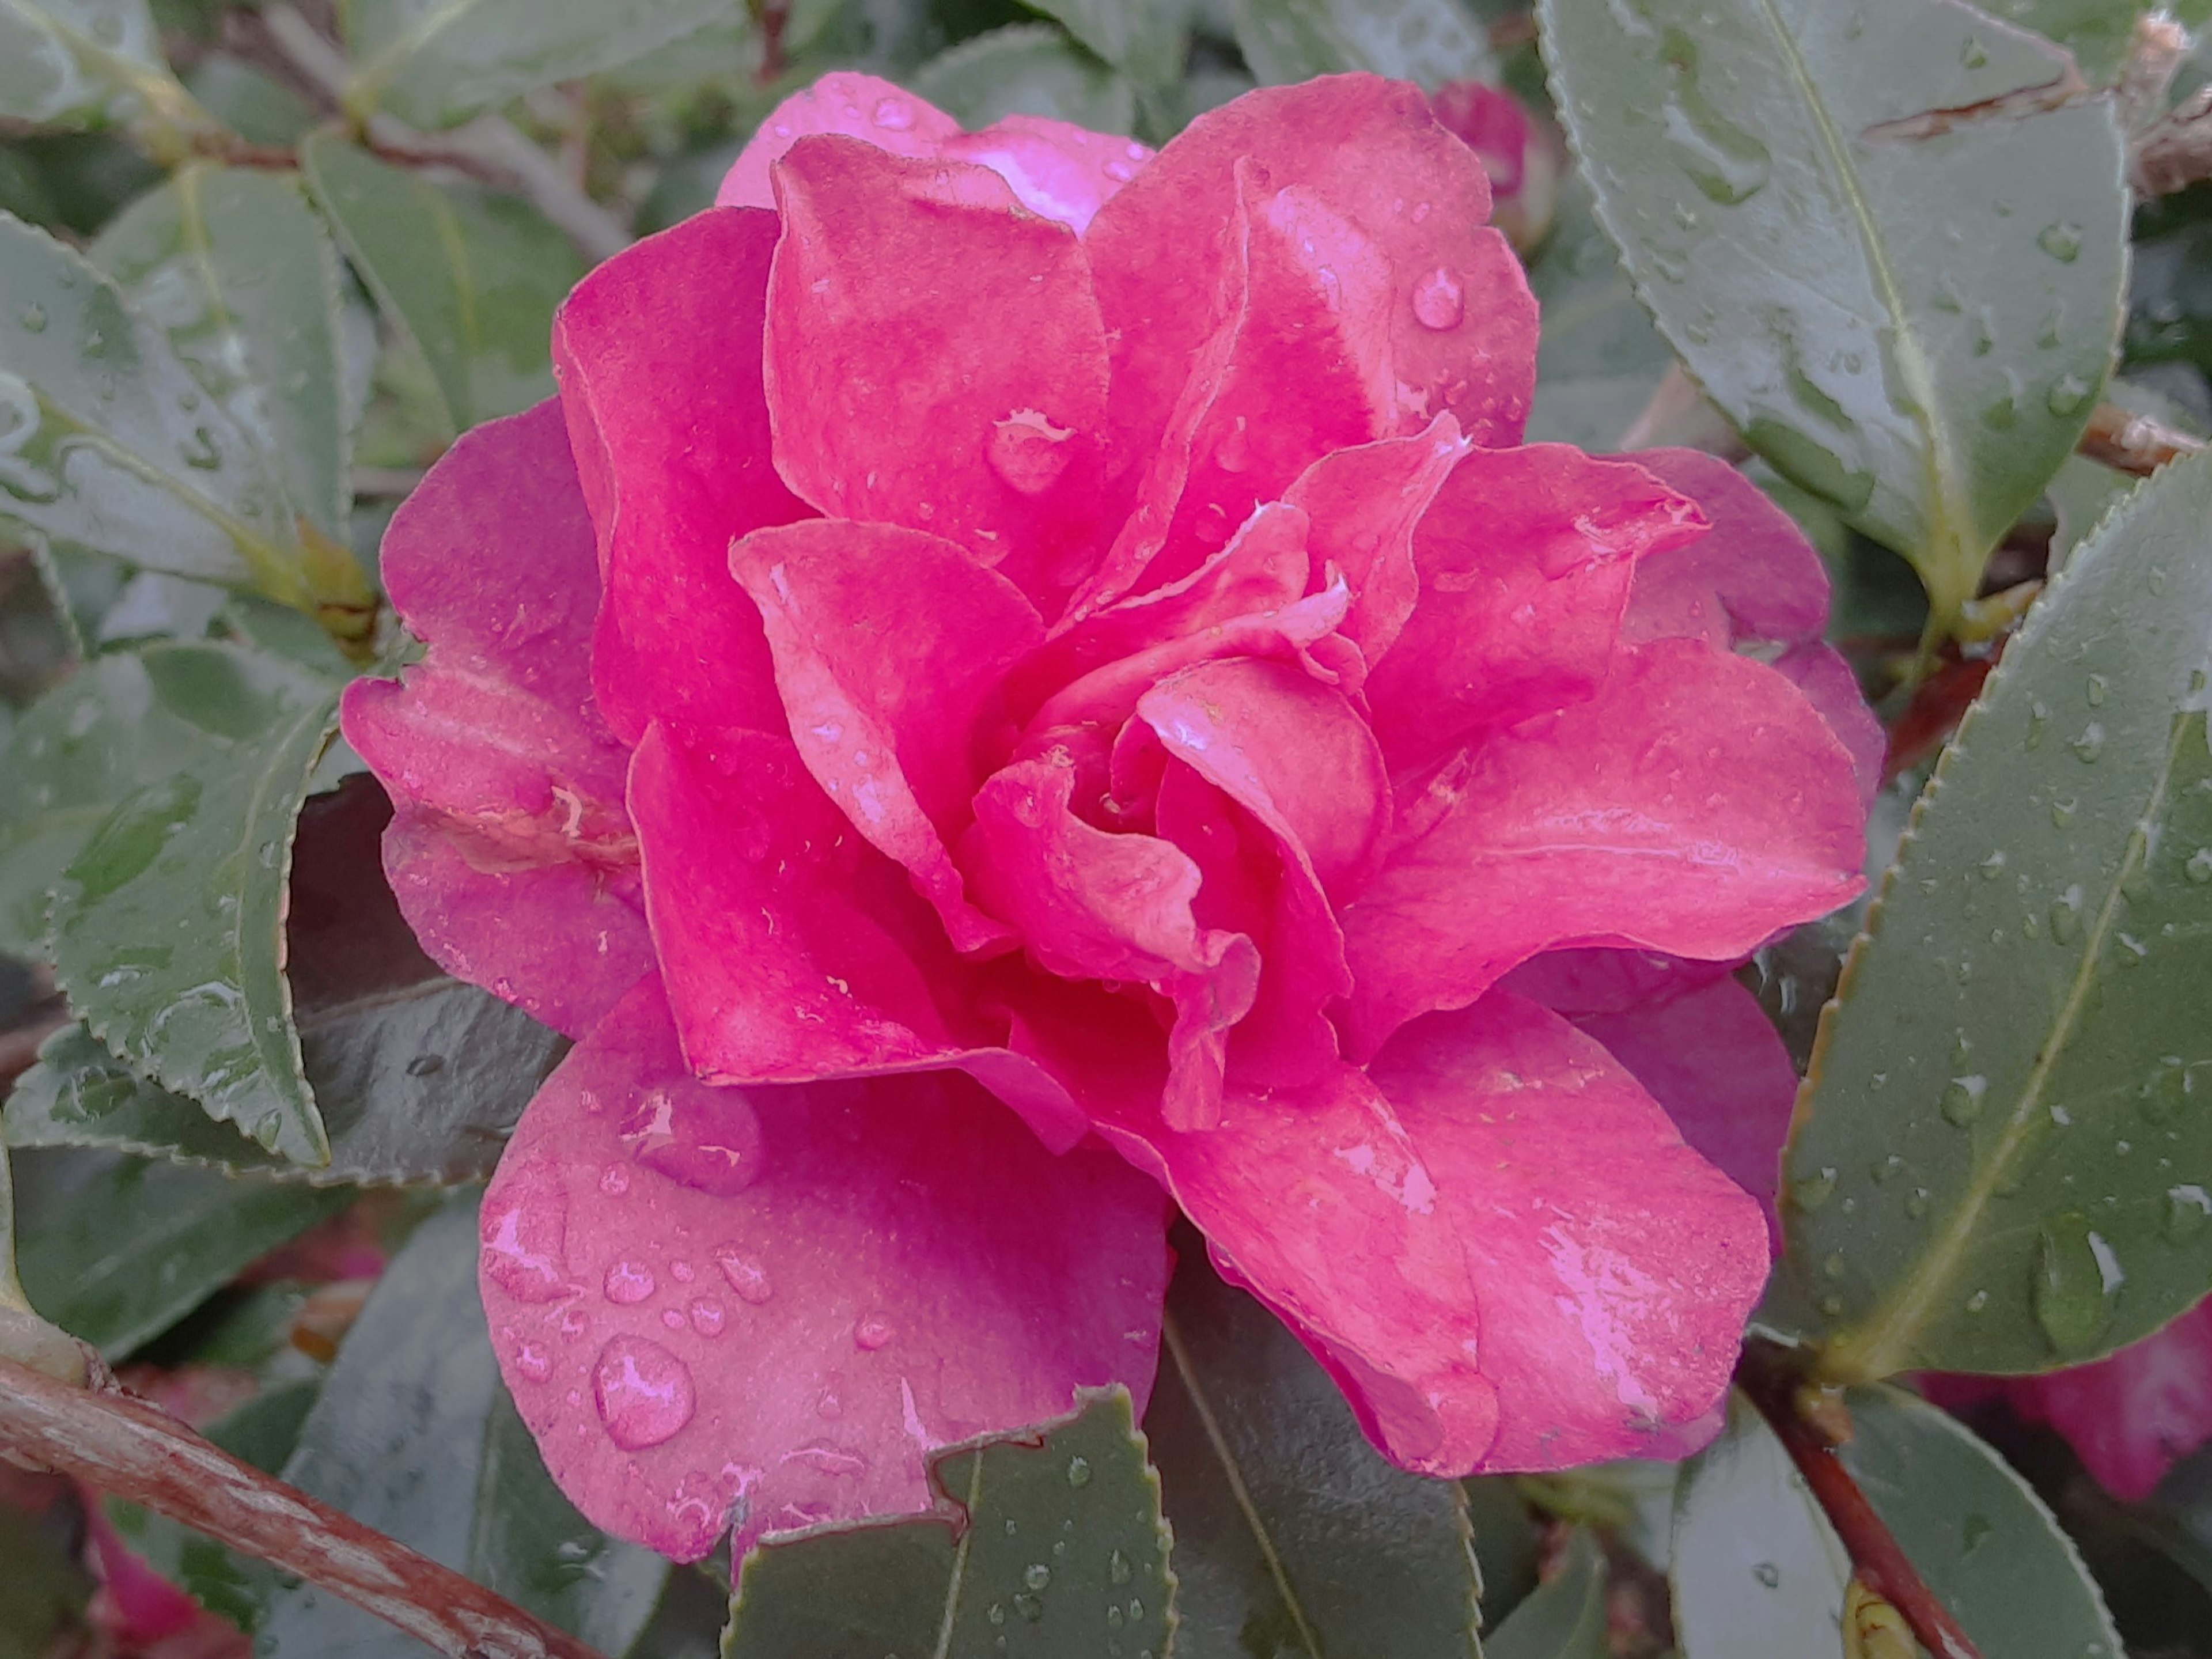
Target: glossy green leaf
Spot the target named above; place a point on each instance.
(1430, 42)
(1146, 39)
(1026, 69)
(1565, 1617)
(473, 276)
(107, 441)
(1758, 1571)
(1599, 359)
(115, 1250)
(1904, 301)
(89, 63)
(2097, 31)
(1047, 1545)
(414, 1435)
(2002, 1158)
(235, 265)
(436, 62)
(168, 923)
(1292, 1534)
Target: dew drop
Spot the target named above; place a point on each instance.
(1916, 1204)
(2188, 1211)
(2066, 915)
(1768, 1574)
(34, 319)
(2068, 393)
(872, 1333)
(524, 1230)
(1117, 1568)
(629, 1282)
(894, 115)
(1439, 301)
(426, 1065)
(1028, 451)
(1029, 1607)
(707, 1317)
(1115, 1619)
(747, 1276)
(1963, 1098)
(2061, 240)
(613, 1180)
(644, 1392)
(698, 1136)
(1036, 1575)
(1977, 1301)
(2094, 690)
(2167, 1093)
(2090, 744)
(533, 1362)
(2199, 867)
(2076, 1274)
(1079, 1471)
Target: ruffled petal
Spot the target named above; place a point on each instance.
(764, 1308)
(1525, 560)
(889, 648)
(1358, 164)
(912, 300)
(1057, 171)
(1695, 805)
(658, 352)
(1502, 1248)
(511, 851)
(1094, 905)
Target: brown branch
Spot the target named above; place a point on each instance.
(2175, 152)
(1876, 1556)
(2134, 444)
(127, 1447)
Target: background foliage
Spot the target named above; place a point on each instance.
(260, 263)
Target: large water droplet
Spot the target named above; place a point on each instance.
(1036, 1575)
(1963, 1098)
(629, 1282)
(2061, 240)
(872, 1333)
(2076, 1274)
(524, 1230)
(698, 1136)
(2188, 1212)
(747, 1276)
(2066, 915)
(644, 1392)
(2090, 744)
(2068, 393)
(1439, 301)
(1028, 451)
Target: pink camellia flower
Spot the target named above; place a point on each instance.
(1523, 157)
(1024, 679)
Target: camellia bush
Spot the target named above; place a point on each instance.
(1105, 829)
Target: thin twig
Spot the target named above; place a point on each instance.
(2175, 152)
(773, 14)
(488, 147)
(2135, 444)
(125, 1446)
(1876, 1556)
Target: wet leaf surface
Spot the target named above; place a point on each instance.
(2002, 1161)
(1430, 42)
(1904, 301)
(1062, 1553)
(1026, 70)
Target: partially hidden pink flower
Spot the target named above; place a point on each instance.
(1523, 156)
(1024, 679)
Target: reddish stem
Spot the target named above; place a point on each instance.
(774, 14)
(2134, 444)
(125, 1446)
(1876, 1556)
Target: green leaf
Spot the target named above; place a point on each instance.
(89, 63)
(1758, 1571)
(168, 924)
(1564, 1617)
(1599, 359)
(1146, 39)
(234, 264)
(12, 1284)
(2002, 1161)
(435, 62)
(42, 1592)
(473, 278)
(1430, 42)
(414, 1435)
(108, 443)
(1026, 69)
(2097, 31)
(259, 108)
(1048, 1541)
(115, 1250)
(1291, 1532)
(1775, 172)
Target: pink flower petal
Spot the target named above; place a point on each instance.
(1459, 331)
(1365, 504)
(1709, 1057)
(792, 948)
(1694, 806)
(762, 1308)
(511, 851)
(1057, 170)
(2134, 1416)
(910, 298)
(1825, 680)
(1525, 560)
(889, 645)
(1502, 1248)
(1093, 905)
(658, 356)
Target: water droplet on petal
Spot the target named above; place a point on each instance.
(524, 1230)
(894, 114)
(1028, 451)
(698, 1136)
(644, 1392)
(707, 1317)
(533, 1362)
(872, 1333)
(747, 1276)
(629, 1282)
(1439, 301)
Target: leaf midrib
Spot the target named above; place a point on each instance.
(1952, 529)
(1895, 1324)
